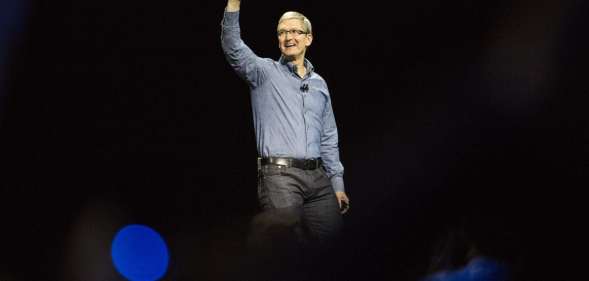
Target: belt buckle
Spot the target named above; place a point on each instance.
(282, 162)
(310, 164)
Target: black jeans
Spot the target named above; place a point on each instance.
(302, 200)
(299, 226)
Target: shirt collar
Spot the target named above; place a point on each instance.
(293, 68)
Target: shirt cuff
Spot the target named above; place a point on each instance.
(231, 18)
(337, 183)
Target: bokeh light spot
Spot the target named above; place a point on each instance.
(139, 253)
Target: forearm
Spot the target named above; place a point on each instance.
(337, 182)
(331, 162)
(333, 166)
(233, 5)
(330, 156)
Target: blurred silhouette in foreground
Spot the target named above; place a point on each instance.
(462, 255)
(276, 252)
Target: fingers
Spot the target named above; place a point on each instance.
(345, 208)
(344, 205)
(343, 201)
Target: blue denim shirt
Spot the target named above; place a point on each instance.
(288, 121)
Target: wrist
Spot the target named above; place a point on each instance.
(232, 6)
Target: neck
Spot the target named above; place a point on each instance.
(300, 63)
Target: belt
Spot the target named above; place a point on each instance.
(304, 164)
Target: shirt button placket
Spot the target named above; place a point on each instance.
(304, 92)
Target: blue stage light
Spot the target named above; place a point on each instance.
(139, 253)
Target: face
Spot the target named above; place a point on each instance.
(293, 39)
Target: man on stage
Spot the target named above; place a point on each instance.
(300, 174)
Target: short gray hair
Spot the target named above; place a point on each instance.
(296, 15)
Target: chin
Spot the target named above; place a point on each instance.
(288, 56)
(291, 54)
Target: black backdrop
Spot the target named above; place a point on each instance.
(127, 112)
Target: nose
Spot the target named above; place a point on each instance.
(288, 35)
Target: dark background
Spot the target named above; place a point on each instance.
(448, 111)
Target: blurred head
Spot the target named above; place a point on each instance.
(294, 35)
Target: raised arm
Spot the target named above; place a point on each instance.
(241, 58)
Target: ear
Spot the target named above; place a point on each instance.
(309, 40)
